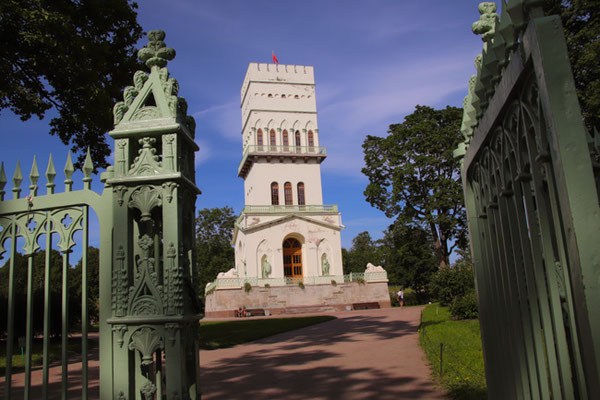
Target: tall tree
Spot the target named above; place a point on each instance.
(363, 251)
(93, 281)
(214, 230)
(73, 55)
(581, 21)
(414, 177)
(408, 256)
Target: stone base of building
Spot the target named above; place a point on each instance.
(292, 299)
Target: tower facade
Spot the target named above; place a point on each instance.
(285, 233)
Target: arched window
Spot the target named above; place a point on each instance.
(275, 193)
(311, 142)
(259, 139)
(287, 192)
(272, 139)
(298, 142)
(286, 141)
(301, 200)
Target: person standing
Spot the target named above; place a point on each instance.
(400, 298)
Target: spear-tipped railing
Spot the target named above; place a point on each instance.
(30, 219)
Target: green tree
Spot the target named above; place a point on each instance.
(93, 281)
(449, 284)
(214, 230)
(363, 251)
(408, 256)
(20, 292)
(581, 21)
(414, 177)
(73, 55)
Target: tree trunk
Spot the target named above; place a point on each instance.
(441, 248)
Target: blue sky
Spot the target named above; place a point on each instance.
(374, 61)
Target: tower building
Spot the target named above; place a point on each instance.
(288, 253)
(284, 231)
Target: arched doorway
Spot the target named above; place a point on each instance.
(292, 258)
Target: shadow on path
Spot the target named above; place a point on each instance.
(372, 355)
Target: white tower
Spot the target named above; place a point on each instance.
(284, 232)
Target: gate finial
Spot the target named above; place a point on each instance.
(156, 52)
(487, 22)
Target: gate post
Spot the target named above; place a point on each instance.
(531, 193)
(153, 323)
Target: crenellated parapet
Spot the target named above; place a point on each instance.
(301, 74)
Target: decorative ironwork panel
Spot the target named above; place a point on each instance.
(532, 205)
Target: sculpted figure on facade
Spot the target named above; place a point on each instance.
(266, 267)
(325, 264)
(373, 268)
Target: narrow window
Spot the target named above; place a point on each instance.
(287, 190)
(298, 143)
(286, 141)
(311, 142)
(275, 194)
(301, 200)
(259, 138)
(272, 140)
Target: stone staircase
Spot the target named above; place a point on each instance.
(309, 309)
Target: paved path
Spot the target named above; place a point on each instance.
(372, 354)
(55, 378)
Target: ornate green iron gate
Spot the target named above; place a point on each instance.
(532, 203)
(148, 302)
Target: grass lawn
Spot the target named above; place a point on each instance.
(54, 353)
(463, 373)
(221, 334)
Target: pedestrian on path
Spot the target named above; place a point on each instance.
(400, 298)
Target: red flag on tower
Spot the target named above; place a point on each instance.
(275, 60)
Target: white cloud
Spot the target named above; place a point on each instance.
(380, 96)
(224, 118)
(202, 155)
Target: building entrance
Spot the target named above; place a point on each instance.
(292, 258)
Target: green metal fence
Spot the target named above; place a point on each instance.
(148, 316)
(532, 206)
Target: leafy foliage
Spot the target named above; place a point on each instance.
(408, 256)
(75, 56)
(405, 252)
(465, 306)
(363, 251)
(581, 21)
(74, 289)
(93, 280)
(411, 297)
(214, 230)
(414, 177)
(450, 283)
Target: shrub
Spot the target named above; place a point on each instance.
(465, 306)
(301, 285)
(211, 291)
(247, 287)
(411, 297)
(450, 283)
(333, 282)
(267, 285)
(360, 281)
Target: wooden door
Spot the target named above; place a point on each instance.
(292, 258)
